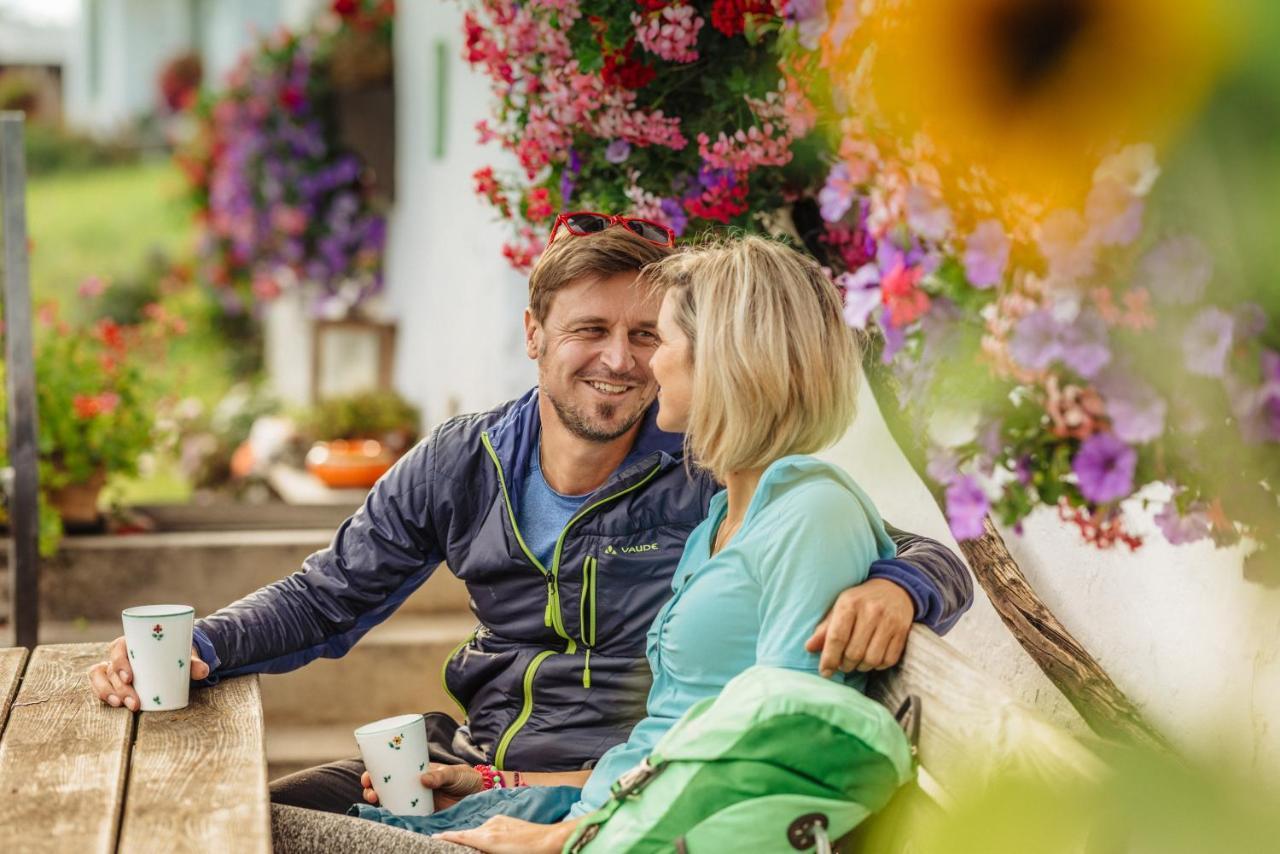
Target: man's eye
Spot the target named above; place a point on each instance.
(591, 330)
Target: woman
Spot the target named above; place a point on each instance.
(757, 368)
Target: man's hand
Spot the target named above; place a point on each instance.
(866, 629)
(112, 680)
(449, 784)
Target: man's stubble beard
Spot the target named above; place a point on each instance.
(581, 426)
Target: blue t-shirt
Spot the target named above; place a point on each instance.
(543, 512)
(809, 533)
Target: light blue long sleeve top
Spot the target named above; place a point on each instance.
(809, 533)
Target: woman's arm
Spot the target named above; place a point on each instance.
(504, 835)
(452, 783)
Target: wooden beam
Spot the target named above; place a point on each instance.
(24, 520)
(971, 728)
(63, 758)
(199, 775)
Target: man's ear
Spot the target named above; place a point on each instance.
(532, 335)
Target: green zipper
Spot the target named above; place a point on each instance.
(588, 635)
(552, 617)
(525, 712)
(444, 669)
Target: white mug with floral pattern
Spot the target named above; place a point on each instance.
(395, 755)
(158, 638)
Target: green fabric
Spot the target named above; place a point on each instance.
(737, 770)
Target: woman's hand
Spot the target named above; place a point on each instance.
(504, 835)
(449, 784)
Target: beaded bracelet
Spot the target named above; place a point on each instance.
(492, 777)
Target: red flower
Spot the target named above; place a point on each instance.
(111, 334)
(729, 16)
(345, 8)
(653, 5)
(623, 69)
(292, 98)
(899, 291)
(85, 405)
(538, 205)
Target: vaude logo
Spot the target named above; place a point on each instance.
(631, 550)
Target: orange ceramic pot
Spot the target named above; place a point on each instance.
(354, 464)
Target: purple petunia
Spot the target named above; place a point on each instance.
(1179, 528)
(1177, 270)
(1114, 214)
(967, 507)
(1040, 339)
(1067, 246)
(861, 294)
(836, 196)
(617, 151)
(1104, 468)
(1207, 342)
(1137, 413)
(986, 254)
(927, 215)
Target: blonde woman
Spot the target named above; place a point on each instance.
(758, 369)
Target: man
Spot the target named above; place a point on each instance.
(565, 512)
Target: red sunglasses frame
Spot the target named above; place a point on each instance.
(612, 219)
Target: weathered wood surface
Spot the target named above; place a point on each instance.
(13, 661)
(1068, 664)
(198, 780)
(971, 728)
(63, 758)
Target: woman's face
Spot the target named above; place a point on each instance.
(672, 369)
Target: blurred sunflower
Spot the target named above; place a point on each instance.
(1020, 99)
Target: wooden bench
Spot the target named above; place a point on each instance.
(971, 730)
(78, 775)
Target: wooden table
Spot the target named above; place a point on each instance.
(78, 776)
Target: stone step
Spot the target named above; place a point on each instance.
(295, 748)
(95, 577)
(393, 670)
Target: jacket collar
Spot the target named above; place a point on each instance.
(515, 437)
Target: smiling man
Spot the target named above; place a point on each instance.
(565, 512)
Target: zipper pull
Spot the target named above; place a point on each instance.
(551, 592)
(586, 671)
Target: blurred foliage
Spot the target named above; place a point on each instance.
(51, 150)
(381, 415)
(1145, 803)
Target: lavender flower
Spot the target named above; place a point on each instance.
(1040, 339)
(810, 19)
(1177, 270)
(861, 294)
(1104, 468)
(1207, 342)
(617, 151)
(1114, 214)
(1180, 529)
(967, 506)
(986, 254)
(927, 215)
(1065, 243)
(675, 214)
(1137, 413)
(836, 196)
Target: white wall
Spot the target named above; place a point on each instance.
(457, 301)
(1178, 629)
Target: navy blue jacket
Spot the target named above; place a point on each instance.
(555, 673)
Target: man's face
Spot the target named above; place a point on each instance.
(593, 354)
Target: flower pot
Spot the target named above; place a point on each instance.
(353, 464)
(77, 503)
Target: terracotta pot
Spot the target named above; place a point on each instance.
(77, 503)
(354, 464)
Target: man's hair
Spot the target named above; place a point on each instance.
(595, 257)
(775, 367)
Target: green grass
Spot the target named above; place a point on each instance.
(107, 223)
(103, 223)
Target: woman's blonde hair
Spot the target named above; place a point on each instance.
(775, 366)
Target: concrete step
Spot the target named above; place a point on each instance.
(95, 577)
(393, 670)
(295, 748)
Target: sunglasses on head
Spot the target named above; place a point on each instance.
(587, 223)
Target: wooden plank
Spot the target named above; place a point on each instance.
(63, 757)
(198, 780)
(12, 662)
(971, 728)
(20, 379)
